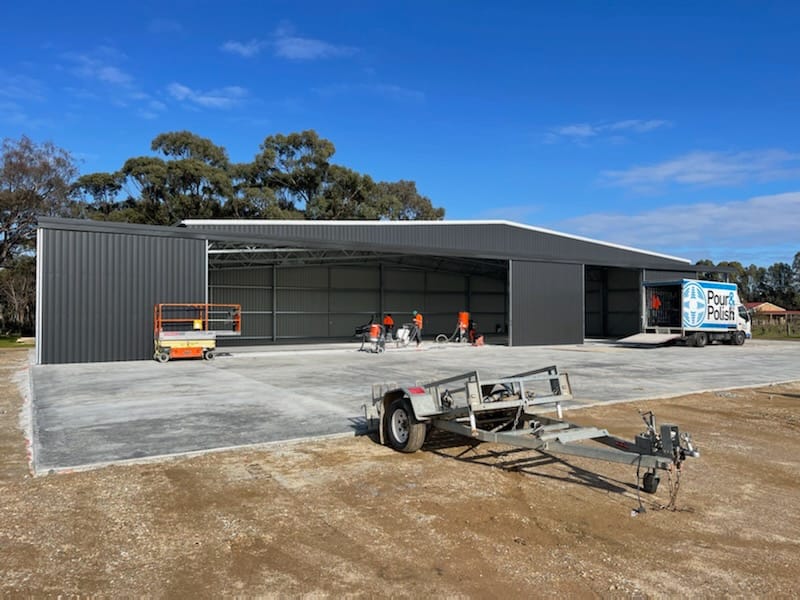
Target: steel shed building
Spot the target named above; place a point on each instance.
(97, 282)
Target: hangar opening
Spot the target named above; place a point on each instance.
(306, 295)
(612, 304)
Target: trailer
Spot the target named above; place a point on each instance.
(509, 411)
(692, 311)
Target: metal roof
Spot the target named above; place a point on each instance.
(500, 240)
(477, 239)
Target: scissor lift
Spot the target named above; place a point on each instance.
(191, 330)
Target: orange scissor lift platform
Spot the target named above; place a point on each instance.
(191, 330)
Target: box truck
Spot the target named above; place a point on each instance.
(697, 312)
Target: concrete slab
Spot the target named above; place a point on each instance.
(90, 414)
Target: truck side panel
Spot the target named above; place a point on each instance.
(709, 306)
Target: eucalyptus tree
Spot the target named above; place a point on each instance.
(35, 180)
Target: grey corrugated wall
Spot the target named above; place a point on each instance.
(96, 291)
(546, 303)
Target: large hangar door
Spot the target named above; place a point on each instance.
(612, 304)
(546, 303)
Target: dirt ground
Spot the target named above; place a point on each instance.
(348, 517)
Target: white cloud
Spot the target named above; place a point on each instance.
(98, 67)
(762, 229)
(288, 45)
(222, 98)
(20, 87)
(708, 169)
(151, 109)
(580, 132)
(285, 44)
(105, 81)
(246, 49)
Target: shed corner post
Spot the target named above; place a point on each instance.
(510, 304)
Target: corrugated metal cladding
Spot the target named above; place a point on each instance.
(98, 289)
(546, 303)
(653, 275)
(330, 301)
(486, 240)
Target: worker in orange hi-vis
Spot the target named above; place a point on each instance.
(463, 325)
(417, 327)
(388, 325)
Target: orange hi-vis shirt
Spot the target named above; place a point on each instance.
(418, 321)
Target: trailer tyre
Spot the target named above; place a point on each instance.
(403, 431)
(441, 338)
(739, 338)
(209, 355)
(650, 483)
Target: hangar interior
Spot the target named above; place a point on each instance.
(303, 294)
(309, 281)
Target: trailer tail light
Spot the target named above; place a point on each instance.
(417, 391)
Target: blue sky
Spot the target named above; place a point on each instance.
(671, 127)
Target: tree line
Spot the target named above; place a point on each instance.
(291, 177)
(188, 176)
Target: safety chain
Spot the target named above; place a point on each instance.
(516, 418)
(674, 485)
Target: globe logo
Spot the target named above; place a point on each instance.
(694, 305)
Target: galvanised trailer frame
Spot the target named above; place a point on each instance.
(502, 411)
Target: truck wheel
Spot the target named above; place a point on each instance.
(739, 338)
(403, 431)
(700, 339)
(650, 483)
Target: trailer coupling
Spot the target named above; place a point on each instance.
(509, 411)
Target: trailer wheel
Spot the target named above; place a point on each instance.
(700, 339)
(738, 338)
(650, 483)
(441, 338)
(209, 355)
(403, 431)
(162, 357)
